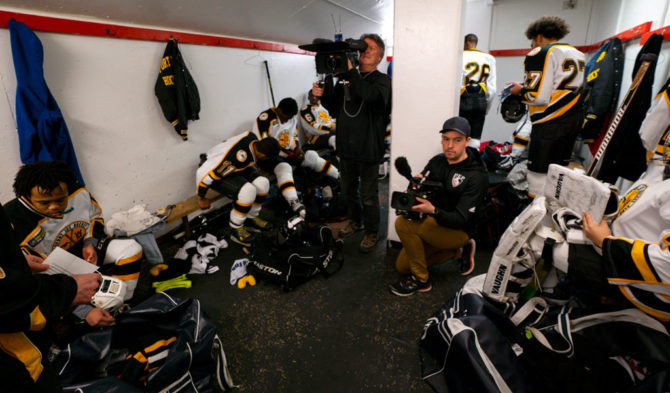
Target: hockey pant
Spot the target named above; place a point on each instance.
(125, 256)
(551, 142)
(314, 162)
(249, 201)
(326, 141)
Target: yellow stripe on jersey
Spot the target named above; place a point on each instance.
(561, 111)
(638, 255)
(19, 346)
(658, 314)
(37, 320)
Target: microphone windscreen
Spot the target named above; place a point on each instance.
(402, 166)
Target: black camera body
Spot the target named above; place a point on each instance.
(402, 202)
(331, 56)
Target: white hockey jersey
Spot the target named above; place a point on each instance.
(267, 124)
(637, 253)
(479, 68)
(656, 125)
(235, 154)
(554, 75)
(316, 121)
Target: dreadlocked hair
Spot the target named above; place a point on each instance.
(45, 175)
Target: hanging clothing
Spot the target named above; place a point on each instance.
(43, 134)
(176, 90)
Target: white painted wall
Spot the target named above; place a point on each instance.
(127, 151)
(477, 20)
(426, 33)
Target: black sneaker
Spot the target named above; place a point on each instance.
(408, 285)
(468, 257)
(241, 236)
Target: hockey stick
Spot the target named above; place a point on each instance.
(594, 167)
(267, 71)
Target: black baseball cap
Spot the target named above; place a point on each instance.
(458, 124)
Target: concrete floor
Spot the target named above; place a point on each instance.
(347, 333)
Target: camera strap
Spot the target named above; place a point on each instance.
(347, 97)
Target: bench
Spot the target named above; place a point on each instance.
(181, 210)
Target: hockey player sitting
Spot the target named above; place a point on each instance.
(552, 93)
(230, 168)
(635, 251)
(319, 127)
(29, 303)
(444, 229)
(281, 123)
(52, 209)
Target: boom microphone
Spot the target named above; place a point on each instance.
(402, 166)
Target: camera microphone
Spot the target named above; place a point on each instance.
(402, 166)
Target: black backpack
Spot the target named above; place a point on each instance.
(294, 253)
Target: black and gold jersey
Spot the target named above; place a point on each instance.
(554, 75)
(638, 252)
(267, 124)
(40, 235)
(316, 121)
(233, 155)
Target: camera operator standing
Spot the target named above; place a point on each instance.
(444, 229)
(361, 101)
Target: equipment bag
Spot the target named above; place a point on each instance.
(475, 344)
(164, 344)
(299, 257)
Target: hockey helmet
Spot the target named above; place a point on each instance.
(512, 109)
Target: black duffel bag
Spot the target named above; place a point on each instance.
(294, 253)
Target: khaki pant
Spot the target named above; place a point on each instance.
(426, 243)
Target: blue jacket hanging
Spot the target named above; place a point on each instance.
(43, 134)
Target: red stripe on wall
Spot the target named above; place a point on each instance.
(639, 30)
(70, 26)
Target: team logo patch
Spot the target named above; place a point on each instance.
(309, 118)
(631, 197)
(35, 240)
(323, 116)
(263, 116)
(283, 139)
(457, 180)
(241, 155)
(534, 51)
(70, 235)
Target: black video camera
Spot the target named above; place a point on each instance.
(418, 187)
(331, 56)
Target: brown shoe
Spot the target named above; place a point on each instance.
(368, 243)
(351, 227)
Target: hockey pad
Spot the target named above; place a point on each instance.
(518, 232)
(581, 193)
(110, 294)
(506, 278)
(262, 185)
(312, 160)
(567, 219)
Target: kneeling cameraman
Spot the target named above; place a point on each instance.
(444, 228)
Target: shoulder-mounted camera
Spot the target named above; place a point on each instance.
(331, 56)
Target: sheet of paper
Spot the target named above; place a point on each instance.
(62, 262)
